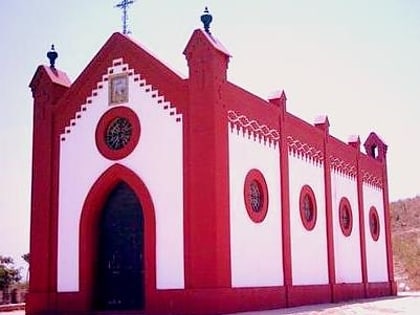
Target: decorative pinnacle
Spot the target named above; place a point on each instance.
(206, 19)
(52, 55)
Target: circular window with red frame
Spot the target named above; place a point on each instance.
(374, 223)
(117, 133)
(256, 195)
(307, 205)
(345, 216)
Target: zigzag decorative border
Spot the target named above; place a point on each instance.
(371, 179)
(343, 166)
(305, 150)
(253, 127)
(117, 67)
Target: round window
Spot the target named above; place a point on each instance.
(117, 133)
(307, 204)
(256, 195)
(374, 223)
(345, 216)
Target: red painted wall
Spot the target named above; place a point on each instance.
(204, 99)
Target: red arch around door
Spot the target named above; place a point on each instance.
(89, 230)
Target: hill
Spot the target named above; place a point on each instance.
(405, 224)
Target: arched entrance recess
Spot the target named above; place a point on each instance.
(90, 231)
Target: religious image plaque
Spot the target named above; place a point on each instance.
(118, 89)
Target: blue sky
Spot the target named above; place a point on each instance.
(357, 61)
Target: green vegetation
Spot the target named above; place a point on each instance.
(9, 274)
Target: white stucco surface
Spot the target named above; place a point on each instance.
(346, 248)
(309, 248)
(158, 162)
(376, 259)
(256, 248)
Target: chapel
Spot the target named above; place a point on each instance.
(155, 193)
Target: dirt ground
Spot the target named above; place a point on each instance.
(404, 303)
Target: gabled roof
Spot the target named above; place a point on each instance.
(156, 73)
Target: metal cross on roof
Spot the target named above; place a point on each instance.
(124, 4)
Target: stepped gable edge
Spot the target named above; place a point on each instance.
(118, 67)
(169, 84)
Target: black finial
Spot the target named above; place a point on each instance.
(52, 55)
(206, 18)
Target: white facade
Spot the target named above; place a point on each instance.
(256, 248)
(376, 259)
(308, 248)
(348, 264)
(160, 145)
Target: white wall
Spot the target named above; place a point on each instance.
(256, 248)
(157, 160)
(376, 259)
(309, 248)
(346, 249)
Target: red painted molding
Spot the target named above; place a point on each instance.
(285, 207)
(202, 99)
(345, 216)
(307, 207)
(328, 206)
(255, 186)
(89, 224)
(362, 231)
(302, 148)
(345, 167)
(46, 90)
(102, 129)
(374, 223)
(253, 127)
(348, 291)
(118, 46)
(207, 215)
(309, 294)
(388, 239)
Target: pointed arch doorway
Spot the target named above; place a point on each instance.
(119, 274)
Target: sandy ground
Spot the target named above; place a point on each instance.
(404, 303)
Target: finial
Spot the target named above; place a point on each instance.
(206, 19)
(52, 56)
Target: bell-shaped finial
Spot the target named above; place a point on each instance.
(206, 18)
(52, 55)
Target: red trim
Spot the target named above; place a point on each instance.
(285, 204)
(202, 99)
(306, 193)
(309, 294)
(102, 128)
(374, 224)
(360, 205)
(45, 165)
(157, 75)
(89, 229)
(324, 127)
(348, 291)
(388, 239)
(378, 289)
(226, 300)
(206, 169)
(345, 216)
(255, 177)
